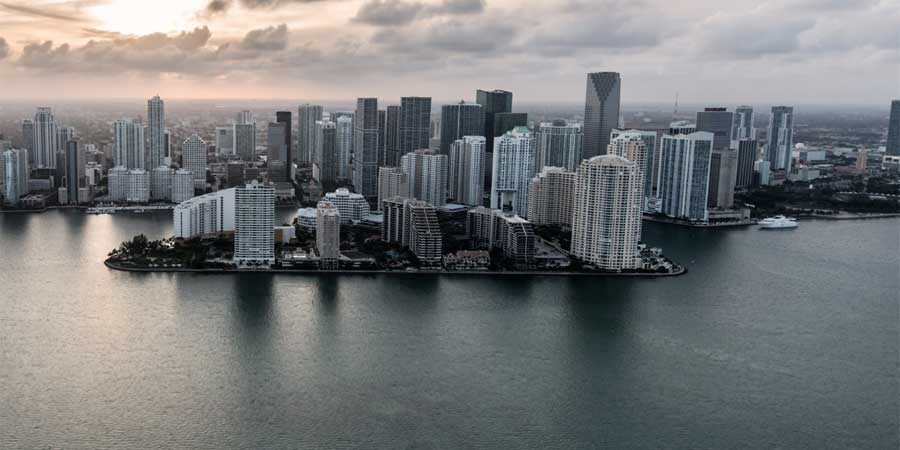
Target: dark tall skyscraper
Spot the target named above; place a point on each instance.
(601, 111)
(28, 139)
(747, 153)
(493, 102)
(717, 121)
(307, 116)
(74, 164)
(415, 123)
(508, 121)
(392, 136)
(893, 139)
(365, 147)
(284, 117)
(458, 120)
(382, 137)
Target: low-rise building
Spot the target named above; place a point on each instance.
(478, 260)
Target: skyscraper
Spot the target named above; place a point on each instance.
(392, 151)
(328, 234)
(722, 178)
(15, 175)
(467, 161)
(245, 141)
(559, 144)
(742, 128)
(156, 126)
(307, 116)
(492, 103)
(458, 120)
(75, 162)
(284, 117)
(193, 158)
(746, 155)
(344, 136)
(276, 149)
(606, 221)
(28, 138)
(651, 164)
(893, 138)
(513, 168)
(508, 121)
(392, 182)
(427, 176)
(601, 111)
(551, 196)
(225, 141)
(244, 118)
(632, 147)
(780, 139)
(415, 123)
(325, 168)
(717, 121)
(684, 175)
(44, 138)
(365, 147)
(254, 239)
(128, 144)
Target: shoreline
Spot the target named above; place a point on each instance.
(111, 265)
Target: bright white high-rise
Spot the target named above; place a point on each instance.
(684, 175)
(328, 234)
(550, 197)
(128, 143)
(427, 172)
(193, 158)
(156, 128)
(392, 182)
(606, 222)
(44, 138)
(207, 214)
(353, 207)
(344, 126)
(182, 186)
(254, 240)
(559, 144)
(467, 161)
(632, 147)
(513, 168)
(307, 116)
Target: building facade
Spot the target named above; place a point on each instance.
(893, 138)
(365, 147)
(466, 177)
(328, 235)
(512, 170)
(307, 116)
(392, 182)
(551, 196)
(353, 207)
(780, 140)
(601, 111)
(684, 175)
(156, 127)
(458, 120)
(193, 158)
(559, 144)
(128, 144)
(427, 176)
(254, 239)
(207, 214)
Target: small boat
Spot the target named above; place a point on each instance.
(778, 222)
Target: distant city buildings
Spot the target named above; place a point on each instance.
(747, 153)
(649, 162)
(719, 122)
(893, 139)
(15, 175)
(492, 103)
(513, 168)
(414, 124)
(601, 111)
(742, 127)
(344, 137)
(392, 182)
(284, 118)
(326, 158)
(44, 140)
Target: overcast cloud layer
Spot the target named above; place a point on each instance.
(812, 51)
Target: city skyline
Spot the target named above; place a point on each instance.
(701, 50)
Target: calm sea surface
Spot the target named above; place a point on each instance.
(773, 340)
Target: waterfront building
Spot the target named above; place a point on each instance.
(513, 168)
(492, 103)
(719, 122)
(559, 144)
(684, 175)
(459, 120)
(44, 140)
(365, 147)
(415, 124)
(137, 189)
(893, 138)
(427, 176)
(307, 116)
(161, 183)
(193, 158)
(182, 186)
(601, 111)
(326, 159)
(763, 172)
(392, 182)
(393, 224)
(480, 227)
(780, 138)
(344, 136)
(211, 213)
(742, 127)
(633, 147)
(15, 175)
(284, 118)
(652, 161)
(254, 240)
(128, 144)
(747, 153)
(467, 161)
(551, 196)
(75, 165)
(413, 224)
(328, 235)
(514, 236)
(723, 167)
(353, 207)
(606, 221)
(156, 126)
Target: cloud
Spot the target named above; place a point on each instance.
(216, 7)
(4, 48)
(44, 11)
(401, 12)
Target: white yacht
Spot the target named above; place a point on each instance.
(771, 223)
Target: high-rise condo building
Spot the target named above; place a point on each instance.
(422, 231)
(513, 168)
(44, 138)
(161, 183)
(747, 153)
(156, 127)
(254, 239)
(344, 136)
(276, 149)
(392, 182)
(75, 164)
(684, 175)
(182, 186)
(742, 127)
(513, 235)
(415, 123)
(632, 147)
(325, 161)
(284, 117)
(893, 138)
(717, 121)
(328, 235)
(550, 197)
(559, 144)
(392, 150)
(245, 141)
(467, 161)
(382, 130)
(780, 139)
(601, 111)
(458, 120)
(193, 158)
(128, 144)
(722, 178)
(307, 116)
(606, 222)
(427, 175)
(15, 175)
(63, 136)
(365, 147)
(492, 103)
(207, 214)
(651, 165)
(28, 138)
(353, 206)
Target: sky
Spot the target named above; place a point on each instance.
(780, 51)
